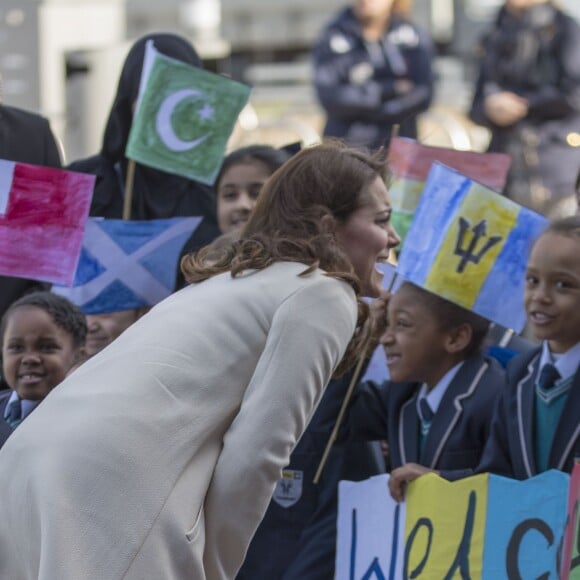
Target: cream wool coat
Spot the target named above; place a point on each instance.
(157, 458)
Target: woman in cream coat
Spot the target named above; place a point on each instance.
(158, 457)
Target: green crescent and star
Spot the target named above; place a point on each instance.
(184, 119)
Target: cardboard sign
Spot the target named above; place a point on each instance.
(485, 526)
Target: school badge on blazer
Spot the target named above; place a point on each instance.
(289, 488)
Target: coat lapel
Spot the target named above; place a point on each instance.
(568, 430)
(450, 409)
(4, 401)
(525, 394)
(409, 431)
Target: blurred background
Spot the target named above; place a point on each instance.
(62, 58)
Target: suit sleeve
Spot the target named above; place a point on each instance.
(308, 336)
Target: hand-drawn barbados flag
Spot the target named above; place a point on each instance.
(410, 163)
(470, 245)
(127, 264)
(184, 118)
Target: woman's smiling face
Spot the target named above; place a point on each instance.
(367, 236)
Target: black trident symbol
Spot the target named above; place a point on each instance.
(469, 255)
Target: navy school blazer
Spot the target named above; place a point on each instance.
(510, 448)
(459, 429)
(297, 541)
(5, 429)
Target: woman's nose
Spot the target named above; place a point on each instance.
(394, 238)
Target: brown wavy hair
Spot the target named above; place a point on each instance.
(330, 179)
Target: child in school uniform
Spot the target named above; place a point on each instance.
(536, 425)
(436, 409)
(42, 337)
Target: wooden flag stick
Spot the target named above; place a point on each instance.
(343, 408)
(129, 180)
(345, 402)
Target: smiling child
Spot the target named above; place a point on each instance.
(42, 335)
(436, 410)
(536, 425)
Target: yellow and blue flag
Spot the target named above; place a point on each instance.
(470, 245)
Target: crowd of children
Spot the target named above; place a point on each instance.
(446, 407)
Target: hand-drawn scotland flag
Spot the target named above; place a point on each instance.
(184, 118)
(470, 245)
(127, 264)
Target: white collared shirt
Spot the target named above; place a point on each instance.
(27, 406)
(566, 363)
(436, 394)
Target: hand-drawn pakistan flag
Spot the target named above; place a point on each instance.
(184, 118)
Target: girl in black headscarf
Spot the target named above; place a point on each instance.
(156, 194)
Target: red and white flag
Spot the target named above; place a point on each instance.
(43, 213)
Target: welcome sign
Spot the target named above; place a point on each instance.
(483, 527)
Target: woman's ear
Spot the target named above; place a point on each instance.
(458, 338)
(328, 223)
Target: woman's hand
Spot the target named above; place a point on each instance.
(401, 476)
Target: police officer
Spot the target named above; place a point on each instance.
(373, 70)
(528, 95)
